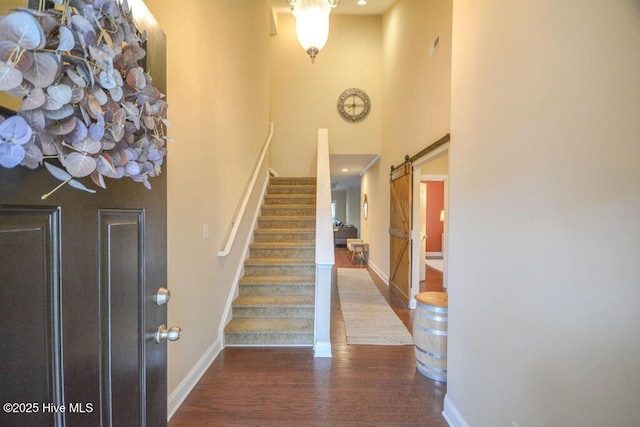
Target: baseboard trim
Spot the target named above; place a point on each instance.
(189, 382)
(451, 414)
(379, 272)
(385, 279)
(322, 349)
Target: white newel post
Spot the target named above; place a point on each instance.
(325, 257)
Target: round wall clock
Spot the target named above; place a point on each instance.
(354, 104)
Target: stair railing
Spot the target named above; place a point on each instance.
(325, 257)
(235, 223)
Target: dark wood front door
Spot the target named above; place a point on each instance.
(401, 182)
(78, 276)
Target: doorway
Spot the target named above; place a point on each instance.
(433, 167)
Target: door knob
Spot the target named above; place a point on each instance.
(163, 296)
(171, 334)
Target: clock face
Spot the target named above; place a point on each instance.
(354, 104)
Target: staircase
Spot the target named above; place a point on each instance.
(275, 306)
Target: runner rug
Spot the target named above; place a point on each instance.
(368, 318)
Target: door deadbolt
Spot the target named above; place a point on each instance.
(163, 296)
(172, 334)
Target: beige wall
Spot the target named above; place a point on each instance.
(545, 99)
(416, 93)
(353, 206)
(348, 206)
(304, 95)
(378, 217)
(218, 93)
(340, 198)
(437, 166)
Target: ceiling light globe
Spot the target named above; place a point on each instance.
(312, 24)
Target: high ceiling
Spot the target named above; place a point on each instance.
(353, 163)
(347, 7)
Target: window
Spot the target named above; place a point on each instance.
(333, 211)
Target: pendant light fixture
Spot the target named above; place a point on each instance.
(312, 23)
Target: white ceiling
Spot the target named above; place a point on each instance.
(354, 163)
(347, 7)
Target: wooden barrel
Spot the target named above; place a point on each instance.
(430, 334)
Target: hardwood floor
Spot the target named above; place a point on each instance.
(432, 282)
(359, 385)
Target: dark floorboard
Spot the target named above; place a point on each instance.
(360, 385)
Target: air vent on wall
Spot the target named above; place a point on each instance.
(434, 45)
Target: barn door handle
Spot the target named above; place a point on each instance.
(163, 296)
(171, 334)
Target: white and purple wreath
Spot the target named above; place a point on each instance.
(86, 100)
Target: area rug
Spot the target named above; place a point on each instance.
(438, 264)
(368, 319)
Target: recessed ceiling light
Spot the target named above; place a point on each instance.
(345, 170)
(361, 2)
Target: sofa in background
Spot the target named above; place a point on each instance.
(341, 234)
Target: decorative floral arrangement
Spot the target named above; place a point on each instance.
(85, 99)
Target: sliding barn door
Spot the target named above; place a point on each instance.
(400, 231)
